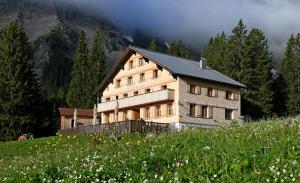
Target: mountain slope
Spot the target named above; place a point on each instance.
(53, 30)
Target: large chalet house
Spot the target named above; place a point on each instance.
(161, 88)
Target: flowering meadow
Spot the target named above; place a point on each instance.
(267, 151)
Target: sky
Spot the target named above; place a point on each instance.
(195, 21)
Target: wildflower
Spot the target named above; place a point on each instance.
(161, 178)
(206, 148)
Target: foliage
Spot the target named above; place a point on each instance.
(177, 48)
(23, 104)
(78, 95)
(290, 71)
(245, 57)
(56, 72)
(256, 152)
(97, 65)
(153, 46)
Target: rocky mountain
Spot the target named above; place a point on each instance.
(53, 29)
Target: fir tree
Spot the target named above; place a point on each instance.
(153, 46)
(78, 94)
(97, 64)
(23, 104)
(215, 52)
(256, 74)
(236, 51)
(177, 48)
(290, 71)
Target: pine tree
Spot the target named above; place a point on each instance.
(177, 48)
(153, 46)
(215, 52)
(97, 65)
(23, 105)
(256, 74)
(78, 94)
(290, 71)
(236, 51)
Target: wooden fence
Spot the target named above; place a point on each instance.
(118, 128)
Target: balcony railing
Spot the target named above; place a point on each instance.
(147, 98)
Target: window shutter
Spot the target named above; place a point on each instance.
(188, 109)
(188, 89)
(198, 90)
(215, 92)
(164, 110)
(206, 92)
(210, 111)
(236, 96)
(199, 110)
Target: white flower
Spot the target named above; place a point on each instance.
(161, 178)
(206, 148)
(215, 175)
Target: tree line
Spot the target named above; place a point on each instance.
(25, 106)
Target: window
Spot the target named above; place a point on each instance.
(147, 90)
(155, 74)
(158, 111)
(231, 95)
(147, 113)
(107, 99)
(142, 77)
(229, 114)
(129, 81)
(125, 95)
(130, 66)
(193, 89)
(125, 115)
(117, 97)
(141, 62)
(210, 92)
(118, 83)
(193, 110)
(163, 87)
(170, 110)
(135, 93)
(205, 111)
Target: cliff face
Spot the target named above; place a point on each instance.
(53, 29)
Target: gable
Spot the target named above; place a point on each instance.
(137, 68)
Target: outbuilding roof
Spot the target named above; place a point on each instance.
(175, 65)
(80, 112)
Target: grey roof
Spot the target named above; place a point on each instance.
(186, 67)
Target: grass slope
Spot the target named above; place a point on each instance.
(258, 152)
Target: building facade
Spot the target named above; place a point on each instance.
(70, 119)
(162, 88)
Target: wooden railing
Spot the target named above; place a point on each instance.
(118, 128)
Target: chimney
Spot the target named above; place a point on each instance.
(203, 63)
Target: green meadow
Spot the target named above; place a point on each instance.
(266, 151)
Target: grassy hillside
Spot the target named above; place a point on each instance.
(258, 152)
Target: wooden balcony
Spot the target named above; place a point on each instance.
(142, 99)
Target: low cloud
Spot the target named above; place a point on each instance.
(195, 21)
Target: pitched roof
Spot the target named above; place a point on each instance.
(80, 112)
(175, 65)
(186, 67)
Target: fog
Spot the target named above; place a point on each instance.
(195, 21)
